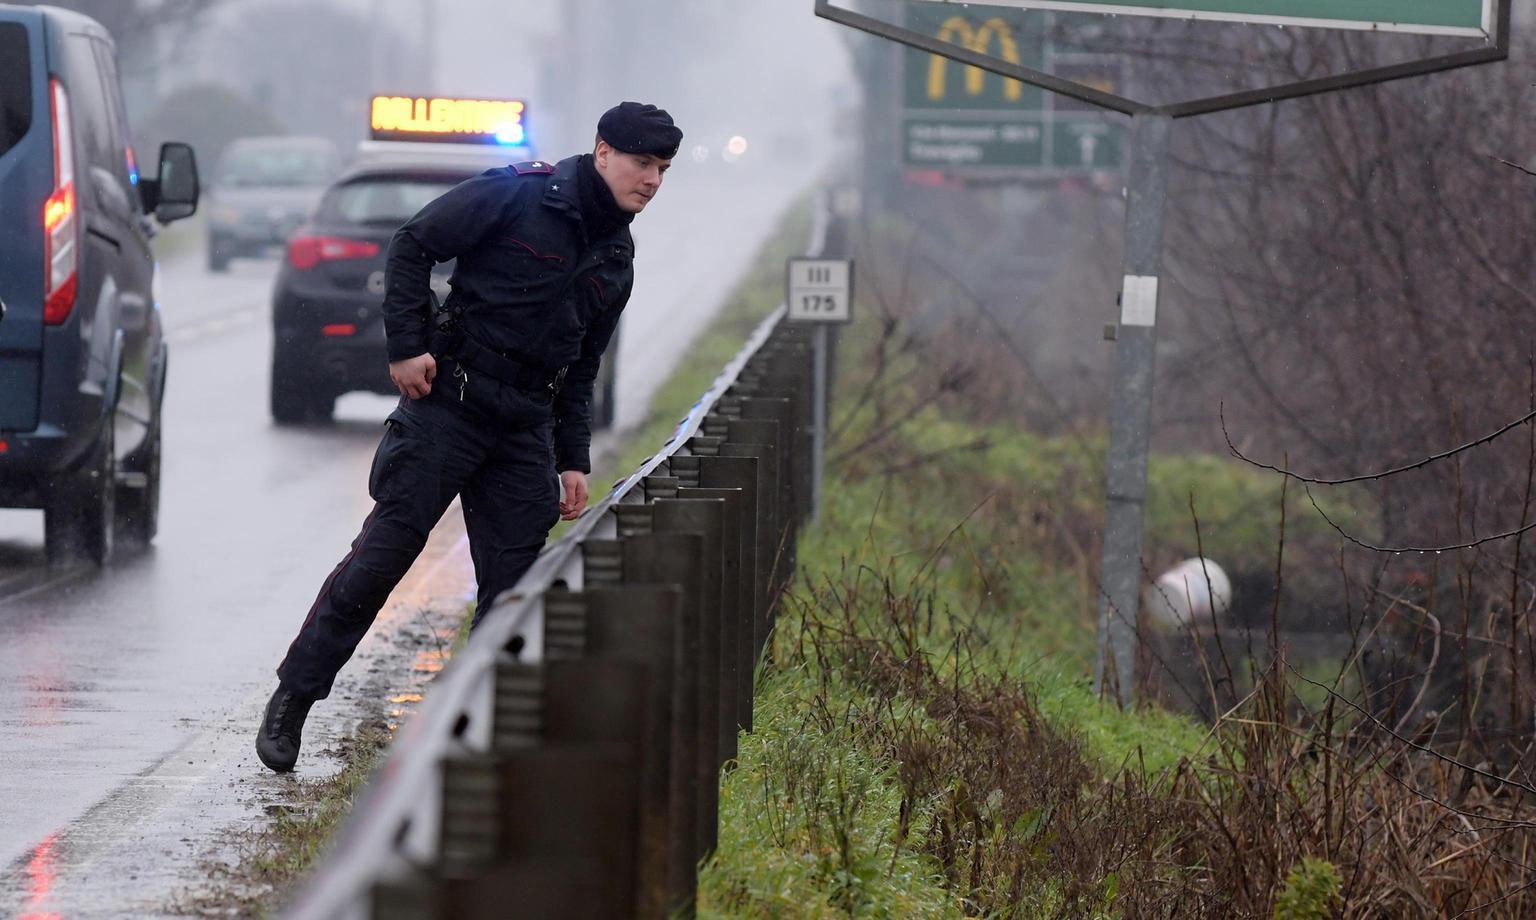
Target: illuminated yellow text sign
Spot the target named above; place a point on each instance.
(471, 121)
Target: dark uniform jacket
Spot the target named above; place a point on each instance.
(530, 283)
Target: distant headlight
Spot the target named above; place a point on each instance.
(226, 215)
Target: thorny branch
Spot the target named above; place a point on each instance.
(1367, 477)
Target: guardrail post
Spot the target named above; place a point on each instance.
(602, 561)
(660, 487)
(741, 474)
(642, 622)
(760, 438)
(671, 559)
(705, 518)
(565, 624)
(412, 896)
(567, 809)
(735, 626)
(791, 444)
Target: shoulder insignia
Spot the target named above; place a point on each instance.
(534, 168)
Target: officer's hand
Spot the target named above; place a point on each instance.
(414, 376)
(574, 483)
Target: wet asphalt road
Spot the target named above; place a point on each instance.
(131, 693)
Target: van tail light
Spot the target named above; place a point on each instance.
(305, 252)
(61, 218)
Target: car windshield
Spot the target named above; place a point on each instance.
(269, 167)
(381, 199)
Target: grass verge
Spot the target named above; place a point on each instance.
(926, 740)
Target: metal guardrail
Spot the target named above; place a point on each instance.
(566, 762)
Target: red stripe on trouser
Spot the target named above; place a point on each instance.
(326, 588)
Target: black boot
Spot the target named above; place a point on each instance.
(277, 744)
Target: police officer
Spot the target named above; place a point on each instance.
(496, 386)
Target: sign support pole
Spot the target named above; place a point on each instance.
(818, 418)
(1131, 419)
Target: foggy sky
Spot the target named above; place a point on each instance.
(718, 65)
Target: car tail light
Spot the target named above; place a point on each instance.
(305, 252)
(332, 329)
(61, 218)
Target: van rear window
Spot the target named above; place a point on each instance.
(15, 84)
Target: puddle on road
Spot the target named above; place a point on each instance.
(430, 661)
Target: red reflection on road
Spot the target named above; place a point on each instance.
(46, 689)
(40, 873)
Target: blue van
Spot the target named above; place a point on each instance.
(82, 350)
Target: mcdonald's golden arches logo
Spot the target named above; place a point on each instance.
(958, 30)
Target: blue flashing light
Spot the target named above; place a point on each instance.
(513, 135)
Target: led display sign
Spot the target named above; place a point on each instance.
(453, 121)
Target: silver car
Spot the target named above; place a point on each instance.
(263, 189)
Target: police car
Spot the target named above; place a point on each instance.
(328, 328)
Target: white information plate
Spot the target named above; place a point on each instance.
(820, 290)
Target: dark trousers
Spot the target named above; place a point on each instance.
(433, 449)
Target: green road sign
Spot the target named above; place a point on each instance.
(1431, 17)
(963, 120)
(973, 142)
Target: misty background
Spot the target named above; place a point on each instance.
(206, 71)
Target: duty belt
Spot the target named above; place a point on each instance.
(459, 347)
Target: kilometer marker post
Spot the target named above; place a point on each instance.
(820, 294)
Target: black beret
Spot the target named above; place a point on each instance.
(636, 128)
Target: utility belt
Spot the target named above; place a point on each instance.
(451, 343)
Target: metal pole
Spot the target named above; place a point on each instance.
(1131, 414)
(818, 417)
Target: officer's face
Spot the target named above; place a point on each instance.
(634, 178)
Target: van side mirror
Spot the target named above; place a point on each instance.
(173, 195)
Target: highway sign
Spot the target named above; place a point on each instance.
(1429, 17)
(962, 120)
(820, 290)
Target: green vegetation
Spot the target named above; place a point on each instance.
(926, 722)
(1311, 891)
(927, 742)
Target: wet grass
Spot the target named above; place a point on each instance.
(927, 742)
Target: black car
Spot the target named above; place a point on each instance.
(82, 352)
(328, 330)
